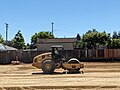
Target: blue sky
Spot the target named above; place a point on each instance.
(69, 16)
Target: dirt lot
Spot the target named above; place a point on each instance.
(25, 77)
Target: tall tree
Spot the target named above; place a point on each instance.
(18, 41)
(119, 34)
(77, 43)
(78, 37)
(115, 36)
(41, 35)
(93, 39)
(115, 43)
(2, 40)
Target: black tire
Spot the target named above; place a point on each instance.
(48, 66)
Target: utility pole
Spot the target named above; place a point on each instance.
(6, 32)
(52, 28)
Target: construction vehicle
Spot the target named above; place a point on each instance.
(50, 61)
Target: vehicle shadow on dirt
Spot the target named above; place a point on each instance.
(56, 73)
(41, 73)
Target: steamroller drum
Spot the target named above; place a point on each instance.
(73, 61)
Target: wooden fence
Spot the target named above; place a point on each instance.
(112, 53)
(83, 55)
(7, 56)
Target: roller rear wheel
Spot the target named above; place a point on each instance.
(48, 66)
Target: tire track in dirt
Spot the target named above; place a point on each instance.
(25, 77)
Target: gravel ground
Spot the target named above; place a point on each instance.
(97, 76)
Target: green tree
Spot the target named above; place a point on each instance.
(77, 43)
(115, 43)
(2, 40)
(34, 38)
(92, 39)
(119, 34)
(41, 35)
(18, 41)
(115, 36)
(78, 37)
(27, 46)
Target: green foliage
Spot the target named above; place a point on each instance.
(93, 38)
(119, 34)
(18, 41)
(2, 40)
(41, 35)
(34, 38)
(27, 46)
(78, 37)
(115, 43)
(115, 35)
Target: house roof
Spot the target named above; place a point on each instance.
(10, 48)
(66, 46)
(7, 48)
(2, 47)
(57, 40)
